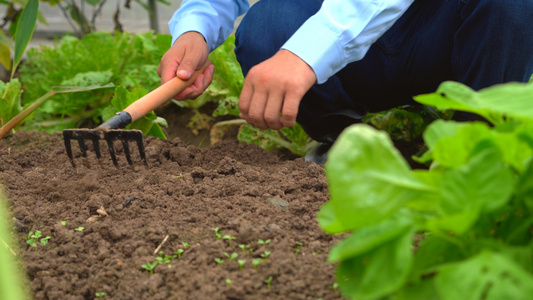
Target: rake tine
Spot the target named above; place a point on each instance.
(68, 147)
(83, 147)
(96, 144)
(127, 152)
(140, 145)
(111, 149)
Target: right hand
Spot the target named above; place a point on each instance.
(189, 53)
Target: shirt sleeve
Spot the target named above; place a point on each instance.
(342, 31)
(213, 19)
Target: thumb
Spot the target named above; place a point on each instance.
(186, 69)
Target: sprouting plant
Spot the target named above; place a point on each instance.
(218, 233)
(164, 259)
(33, 238)
(100, 295)
(266, 254)
(80, 229)
(229, 238)
(219, 260)
(231, 257)
(256, 263)
(150, 266)
(263, 243)
(268, 281)
(315, 253)
(297, 249)
(179, 176)
(241, 263)
(186, 245)
(335, 286)
(178, 253)
(228, 281)
(63, 223)
(243, 247)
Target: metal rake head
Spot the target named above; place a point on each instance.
(109, 136)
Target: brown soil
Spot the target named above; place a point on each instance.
(185, 193)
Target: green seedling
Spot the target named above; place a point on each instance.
(256, 263)
(241, 263)
(179, 176)
(79, 229)
(243, 247)
(150, 266)
(298, 245)
(268, 281)
(229, 238)
(33, 238)
(219, 260)
(186, 245)
(164, 259)
(263, 243)
(228, 281)
(251, 250)
(266, 254)
(231, 257)
(178, 253)
(218, 233)
(334, 287)
(64, 223)
(100, 295)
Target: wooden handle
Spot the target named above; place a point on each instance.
(160, 95)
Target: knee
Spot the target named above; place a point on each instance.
(267, 26)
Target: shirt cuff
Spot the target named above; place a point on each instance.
(191, 22)
(323, 52)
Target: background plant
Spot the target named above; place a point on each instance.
(472, 209)
(12, 281)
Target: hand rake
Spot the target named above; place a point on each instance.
(110, 130)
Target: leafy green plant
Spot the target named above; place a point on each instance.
(297, 248)
(150, 266)
(473, 207)
(243, 248)
(100, 295)
(268, 281)
(12, 281)
(231, 256)
(33, 238)
(179, 253)
(219, 260)
(256, 262)
(241, 263)
(229, 238)
(266, 254)
(263, 243)
(218, 233)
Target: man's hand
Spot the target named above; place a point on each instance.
(273, 90)
(189, 53)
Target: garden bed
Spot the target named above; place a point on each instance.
(245, 192)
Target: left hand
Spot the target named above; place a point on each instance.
(273, 90)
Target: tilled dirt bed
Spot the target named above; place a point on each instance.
(245, 192)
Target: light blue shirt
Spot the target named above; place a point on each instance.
(341, 32)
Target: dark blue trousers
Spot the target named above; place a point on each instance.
(476, 42)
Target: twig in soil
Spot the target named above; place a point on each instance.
(161, 245)
(9, 248)
(101, 214)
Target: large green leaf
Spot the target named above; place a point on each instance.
(368, 179)
(510, 100)
(479, 187)
(488, 275)
(381, 271)
(25, 28)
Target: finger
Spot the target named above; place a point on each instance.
(256, 113)
(273, 110)
(290, 109)
(194, 90)
(245, 99)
